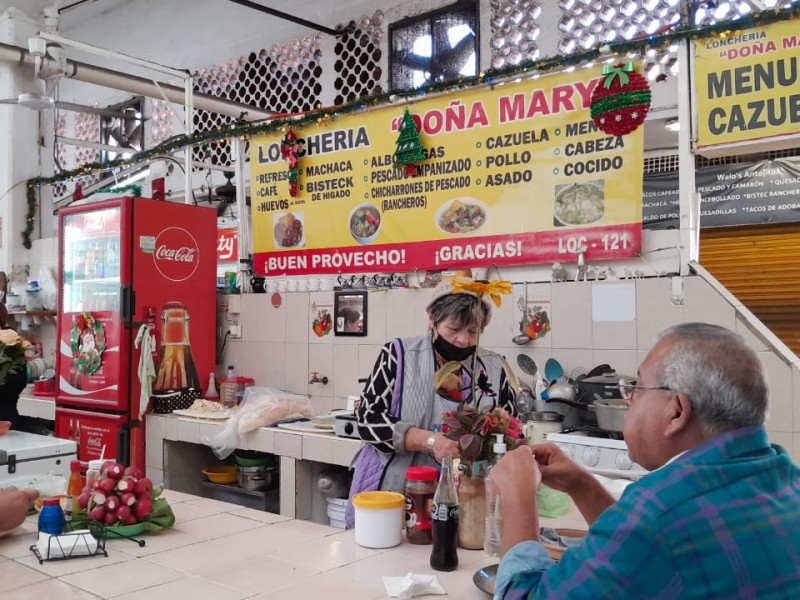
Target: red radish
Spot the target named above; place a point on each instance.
(131, 520)
(115, 471)
(144, 506)
(112, 503)
(128, 499)
(126, 484)
(111, 517)
(143, 487)
(98, 513)
(83, 499)
(95, 485)
(134, 472)
(107, 485)
(99, 498)
(123, 512)
(106, 466)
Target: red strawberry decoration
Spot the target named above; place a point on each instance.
(620, 100)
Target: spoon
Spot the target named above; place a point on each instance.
(553, 370)
(527, 364)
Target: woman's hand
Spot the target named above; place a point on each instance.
(443, 447)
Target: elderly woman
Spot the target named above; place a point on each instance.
(401, 406)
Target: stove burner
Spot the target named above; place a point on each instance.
(595, 432)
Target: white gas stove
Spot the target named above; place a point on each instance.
(602, 456)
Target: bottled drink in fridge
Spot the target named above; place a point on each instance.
(444, 521)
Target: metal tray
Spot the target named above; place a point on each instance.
(484, 579)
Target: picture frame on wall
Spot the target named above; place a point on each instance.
(350, 310)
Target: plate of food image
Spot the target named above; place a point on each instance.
(289, 230)
(580, 203)
(365, 223)
(461, 216)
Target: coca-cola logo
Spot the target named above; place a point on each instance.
(176, 254)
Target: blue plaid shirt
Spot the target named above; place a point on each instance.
(722, 521)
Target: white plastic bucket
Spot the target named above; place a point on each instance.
(379, 519)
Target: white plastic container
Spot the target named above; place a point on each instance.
(379, 519)
(336, 512)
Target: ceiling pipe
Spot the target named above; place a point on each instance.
(287, 17)
(138, 85)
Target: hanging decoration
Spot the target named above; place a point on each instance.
(87, 341)
(322, 116)
(620, 100)
(409, 146)
(290, 148)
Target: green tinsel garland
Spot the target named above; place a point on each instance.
(320, 115)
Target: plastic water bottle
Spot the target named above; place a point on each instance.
(229, 394)
(493, 539)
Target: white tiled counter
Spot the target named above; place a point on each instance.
(221, 551)
(297, 451)
(40, 407)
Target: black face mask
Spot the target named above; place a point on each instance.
(450, 352)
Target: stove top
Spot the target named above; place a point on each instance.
(601, 455)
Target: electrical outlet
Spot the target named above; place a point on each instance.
(236, 331)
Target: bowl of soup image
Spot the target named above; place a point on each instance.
(580, 203)
(365, 223)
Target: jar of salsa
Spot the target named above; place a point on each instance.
(419, 489)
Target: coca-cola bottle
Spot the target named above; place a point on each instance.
(444, 521)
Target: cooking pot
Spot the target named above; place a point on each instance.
(540, 424)
(610, 414)
(606, 386)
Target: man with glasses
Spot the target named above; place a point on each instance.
(718, 516)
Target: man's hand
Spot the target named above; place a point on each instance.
(14, 506)
(559, 471)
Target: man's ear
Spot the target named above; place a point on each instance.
(680, 413)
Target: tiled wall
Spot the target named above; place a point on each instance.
(279, 349)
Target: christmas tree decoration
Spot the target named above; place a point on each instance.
(290, 147)
(620, 100)
(409, 146)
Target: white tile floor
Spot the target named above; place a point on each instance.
(222, 551)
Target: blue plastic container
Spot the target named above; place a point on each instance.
(51, 517)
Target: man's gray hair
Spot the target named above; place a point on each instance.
(719, 372)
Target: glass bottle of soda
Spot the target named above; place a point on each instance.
(444, 521)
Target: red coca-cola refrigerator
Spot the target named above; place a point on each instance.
(125, 263)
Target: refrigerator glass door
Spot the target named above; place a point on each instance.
(93, 358)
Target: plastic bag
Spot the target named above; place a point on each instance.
(261, 407)
(551, 503)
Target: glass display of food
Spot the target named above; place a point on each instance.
(461, 216)
(580, 203)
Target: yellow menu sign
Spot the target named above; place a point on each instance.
(747, 85)
(514, 174)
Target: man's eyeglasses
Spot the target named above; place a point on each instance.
(628, 388)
